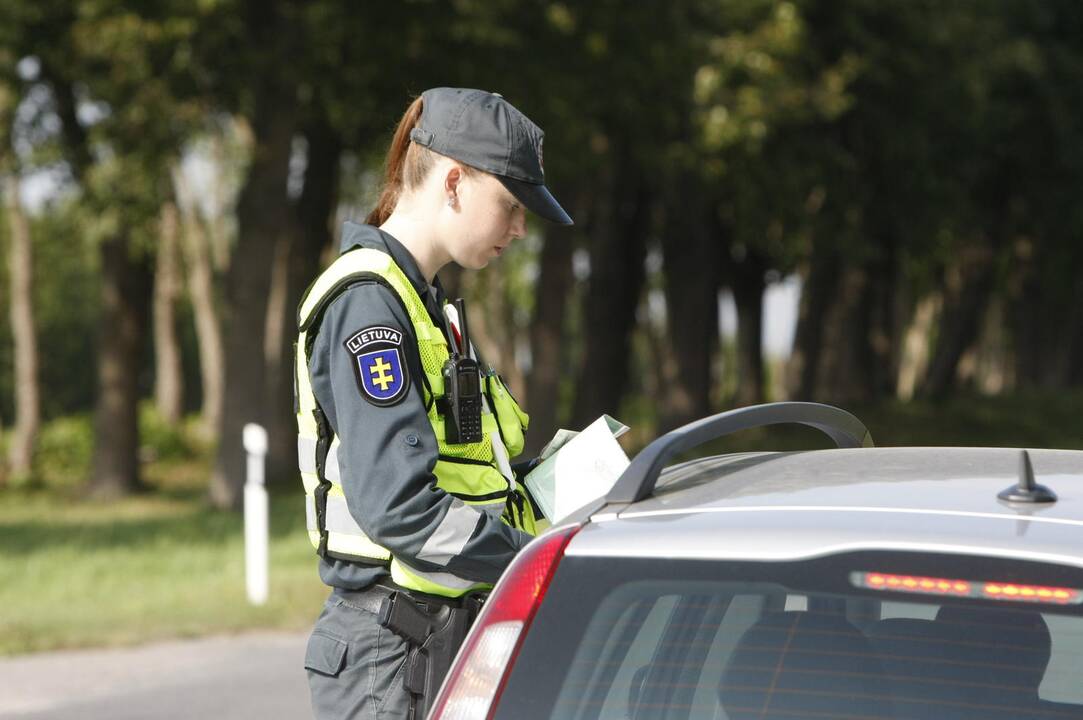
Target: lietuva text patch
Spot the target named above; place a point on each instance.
(379, 364)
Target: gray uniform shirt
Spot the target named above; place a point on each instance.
(388, 453)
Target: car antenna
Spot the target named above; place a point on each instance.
(1027, 490)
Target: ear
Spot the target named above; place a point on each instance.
(452, 180)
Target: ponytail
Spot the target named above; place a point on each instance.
(406, 166)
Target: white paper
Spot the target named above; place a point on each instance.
(578, 467)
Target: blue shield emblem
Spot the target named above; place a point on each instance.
(381, 375)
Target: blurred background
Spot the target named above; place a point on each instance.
(872, 203)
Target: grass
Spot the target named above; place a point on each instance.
(86, 574)
(75, 573)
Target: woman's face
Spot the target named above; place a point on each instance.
(487, 218)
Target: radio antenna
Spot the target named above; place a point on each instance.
(450, 330)
(460, 308)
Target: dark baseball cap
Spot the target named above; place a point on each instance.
(483, 130)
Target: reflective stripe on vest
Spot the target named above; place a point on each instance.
(467, 471)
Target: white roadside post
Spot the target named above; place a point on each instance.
(255, 515)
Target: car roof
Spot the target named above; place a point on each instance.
(930, 478)
(791, 505)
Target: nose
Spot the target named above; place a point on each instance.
(518, 224)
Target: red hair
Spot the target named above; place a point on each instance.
(406, 167)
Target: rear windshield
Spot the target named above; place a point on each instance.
(634, 639)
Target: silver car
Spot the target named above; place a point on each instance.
(850, 583)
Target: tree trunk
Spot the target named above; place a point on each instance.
(1045, 318)
(126, 286)
(967, 287)
(749, 284)
(887, 316)
(915, 353)
(278, 316)
(1066, 342)
(691, 259)
(4, 475)
(817, 294)
(126, 293)
(263, 215)
(1074, 366)
(27, 396)
(201, 293)
(547, 339)
(616, 280)
(845, 356)
(863, 330)
(311, 238)
(1028, 319)
(168, 374)
(280, 334)
(986, 367)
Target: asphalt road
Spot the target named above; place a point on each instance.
(258, 676)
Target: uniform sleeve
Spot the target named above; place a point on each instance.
(388, 448)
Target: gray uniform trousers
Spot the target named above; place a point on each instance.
(355, 666)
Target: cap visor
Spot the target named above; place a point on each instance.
(538, 200)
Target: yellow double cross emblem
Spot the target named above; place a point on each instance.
(379, 374)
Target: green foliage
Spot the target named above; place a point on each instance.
(63, 453)
(162, 441)
(66, 301)
(897, 132)
(757, 76)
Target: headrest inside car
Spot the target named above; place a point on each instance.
(803, 664)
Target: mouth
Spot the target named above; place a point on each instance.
(499, 249)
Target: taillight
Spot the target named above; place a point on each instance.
(966, 588)
(476, 679)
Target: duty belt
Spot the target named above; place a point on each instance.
(372, 598)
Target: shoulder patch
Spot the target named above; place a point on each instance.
(378, 364)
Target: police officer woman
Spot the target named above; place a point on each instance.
(404, 435)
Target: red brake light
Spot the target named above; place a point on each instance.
(1032, 593)
(911, 583)
(966, 588)
(477, 677)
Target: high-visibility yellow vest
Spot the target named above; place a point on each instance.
(468, 471)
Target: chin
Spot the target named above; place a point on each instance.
(473, 264)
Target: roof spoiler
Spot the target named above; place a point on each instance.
(638, 481)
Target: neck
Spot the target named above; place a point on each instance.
(416, 236)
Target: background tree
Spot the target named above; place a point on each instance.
(21, 280)
(914, 165)
(168, 373)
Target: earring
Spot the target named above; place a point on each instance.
(451, 201)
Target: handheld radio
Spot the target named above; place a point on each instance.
(462, 387)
